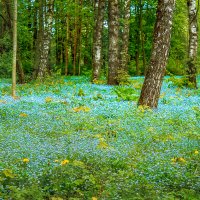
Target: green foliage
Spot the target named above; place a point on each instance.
(179, 82)
(81, 92)
(98, 96)
(123, 78)
(126, 93)
(5, 56)
(197, 112)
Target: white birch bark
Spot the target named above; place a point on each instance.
(193, 43)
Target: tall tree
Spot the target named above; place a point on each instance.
(125, 35)
(44, 38)
(9, 17)
(161, 43)
(113, 57)
(67, 46)
(193, 42)
(97, 43)
(137, 38)
(14, 49)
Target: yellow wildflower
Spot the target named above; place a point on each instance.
(64, 162)
(25, 160)
(48, 99)
(196, 152)
(94, 198)
(23, 115)
(181, 160)
(56, 160)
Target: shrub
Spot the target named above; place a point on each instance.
(127, 94)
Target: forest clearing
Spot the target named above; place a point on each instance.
(70, 139)
(99, 100)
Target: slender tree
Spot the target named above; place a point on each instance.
(125, 35)
(97, 43)
(113, 57)
(142, 35)
(14, 49)
(67, 46)
(137, 39)
(9, 17)
(193, 42)
(76, 8)
(161, 43)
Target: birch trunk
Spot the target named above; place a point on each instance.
(193, 43)
(161, 43)
(113, 52)
(43, 65)
(97, 43)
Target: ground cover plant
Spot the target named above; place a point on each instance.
(66, 138)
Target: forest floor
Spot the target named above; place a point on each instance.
(69, 139)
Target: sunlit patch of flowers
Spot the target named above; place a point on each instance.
(178, 160)
(64, 162)
(196, 152)
(25, 160)
(81, 108)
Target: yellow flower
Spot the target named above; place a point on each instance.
(94, 198)
(25, 160)
(181, 160)
(64, 162)
(196, 152)
(56, 160)
(23, 115)
(48, 99)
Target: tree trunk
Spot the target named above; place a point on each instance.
(43, 65)
(97, 43)
(67, 46)
(14, 49)
(19, 67)
(142, 35)
(75, 39)
(20, 71)
(125, 36)
(35, 24)
(113, 25)
(79, 36)
(161, 43)
(87, 46)
(193, 43)
(137, 38)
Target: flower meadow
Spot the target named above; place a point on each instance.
(67, 138)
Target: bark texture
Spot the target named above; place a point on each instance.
(97, 43)
(14, 50)
(67, 45)
(113, 52)
(193, 42)
(125, 35)
(44, 42)
(161, 43)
